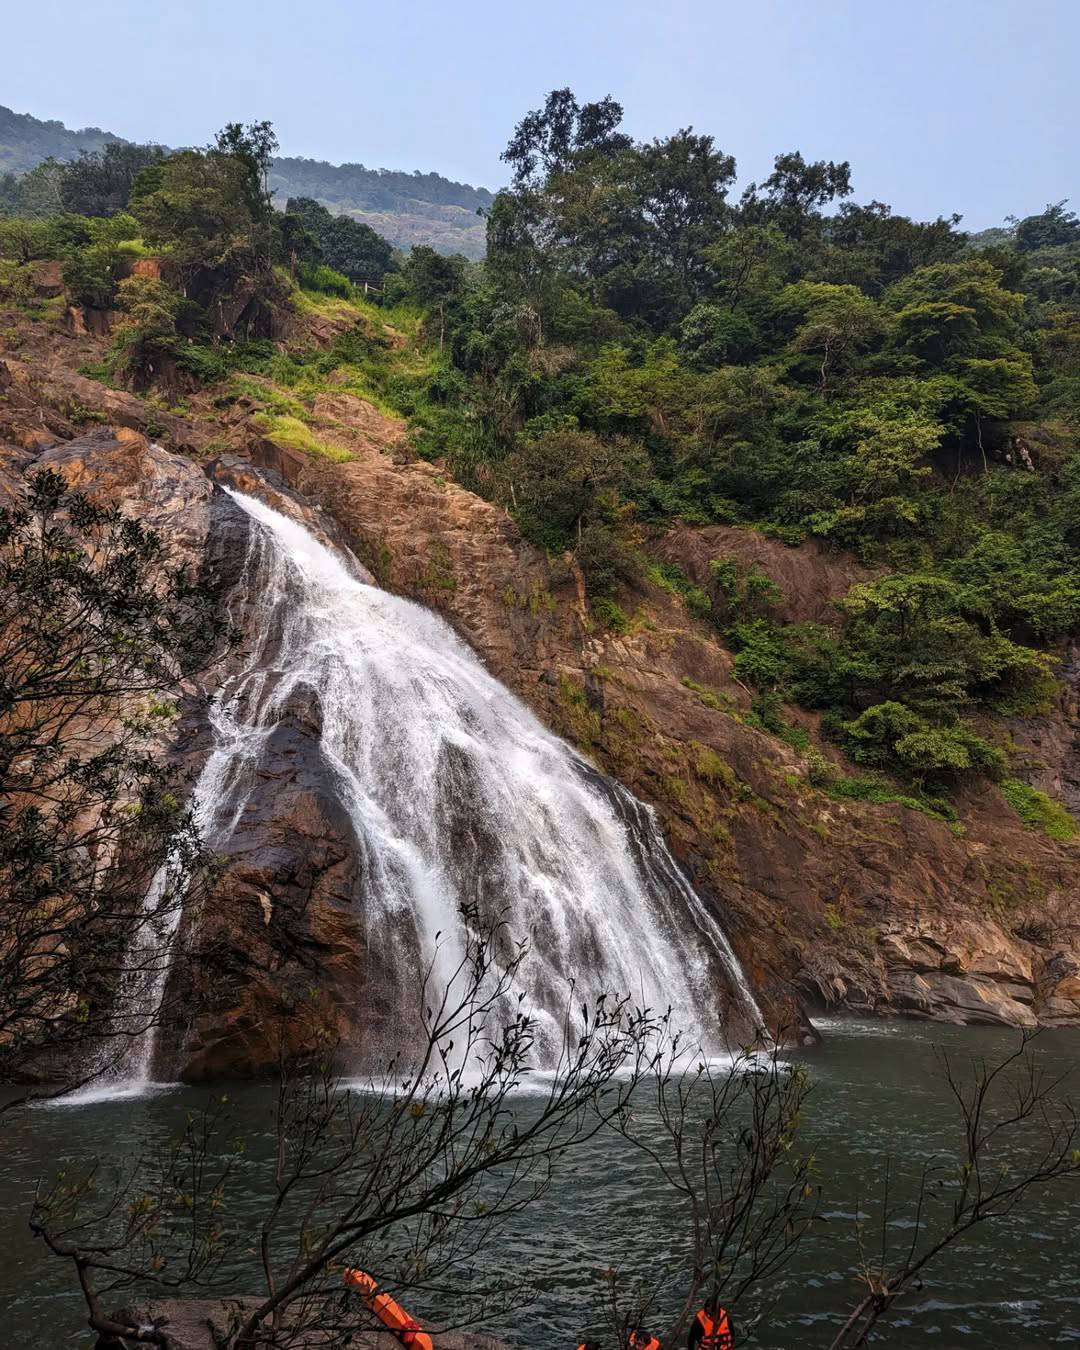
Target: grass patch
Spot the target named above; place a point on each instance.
(609, 615)
(292, 434)
(671, 578)
(875, 790)
(712, 698)
(584, 722)
(1038, 811)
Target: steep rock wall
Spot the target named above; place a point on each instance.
(842, 904)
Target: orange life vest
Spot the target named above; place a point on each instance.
(716, 1331)
(390, 1313)
(643, 1341)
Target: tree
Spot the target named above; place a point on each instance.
(748, 260)
(197, 206)
(99, 182)
(679, 186)
(1053, 226)
(97, 625)
(793, 192)
(564, 480)
(871, 247)
(838, 322)
(948, 311)
(713, 335)
(546, 140)
(254, 147)
(346, 245)
(23, 240)
(41, 192)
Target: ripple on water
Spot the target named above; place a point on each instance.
(1017, 1285)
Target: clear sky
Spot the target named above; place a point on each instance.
(940, 105)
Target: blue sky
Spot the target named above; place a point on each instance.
(940, 105)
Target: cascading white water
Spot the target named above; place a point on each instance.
(457, 796)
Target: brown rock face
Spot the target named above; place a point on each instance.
(166, 492)
(832, 904)
(276, 960)
(810, 578)
(875, 908)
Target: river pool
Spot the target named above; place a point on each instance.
(877, 1093)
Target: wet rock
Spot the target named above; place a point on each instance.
(196, 1324)
(824, 899)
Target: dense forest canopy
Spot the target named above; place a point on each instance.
(641, 345)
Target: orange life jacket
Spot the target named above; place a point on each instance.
(643, 1341)
(716, 1331)
(390, 1313)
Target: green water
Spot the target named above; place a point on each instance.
(877, 1094)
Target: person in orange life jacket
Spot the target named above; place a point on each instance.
(589, 1345)
(642, 1340)
(390, 1313)
(712, 1329)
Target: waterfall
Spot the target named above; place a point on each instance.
(456, 795)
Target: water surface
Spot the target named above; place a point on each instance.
(877, 1094)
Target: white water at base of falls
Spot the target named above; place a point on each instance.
(457, 796)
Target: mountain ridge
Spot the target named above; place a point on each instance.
(405, 207)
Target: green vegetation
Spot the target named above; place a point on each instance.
(880, 790)
(1038, 811)
(790, 362)
(293, 434)
(337, 244)
(404, 208)
(100, 623)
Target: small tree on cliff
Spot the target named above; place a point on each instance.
(97, 625)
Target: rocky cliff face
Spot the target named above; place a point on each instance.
(830, 904)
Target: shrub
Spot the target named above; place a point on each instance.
(1038, 811)
(91, 275)
(325, 279)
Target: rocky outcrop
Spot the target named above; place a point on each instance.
(810, 578)
(197, 1324)
(165, 492)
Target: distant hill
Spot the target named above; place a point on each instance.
(26, 141)
(405, 208)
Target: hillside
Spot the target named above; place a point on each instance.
(675, 616)
(405, 208)
(772, 512)
(26, 141)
